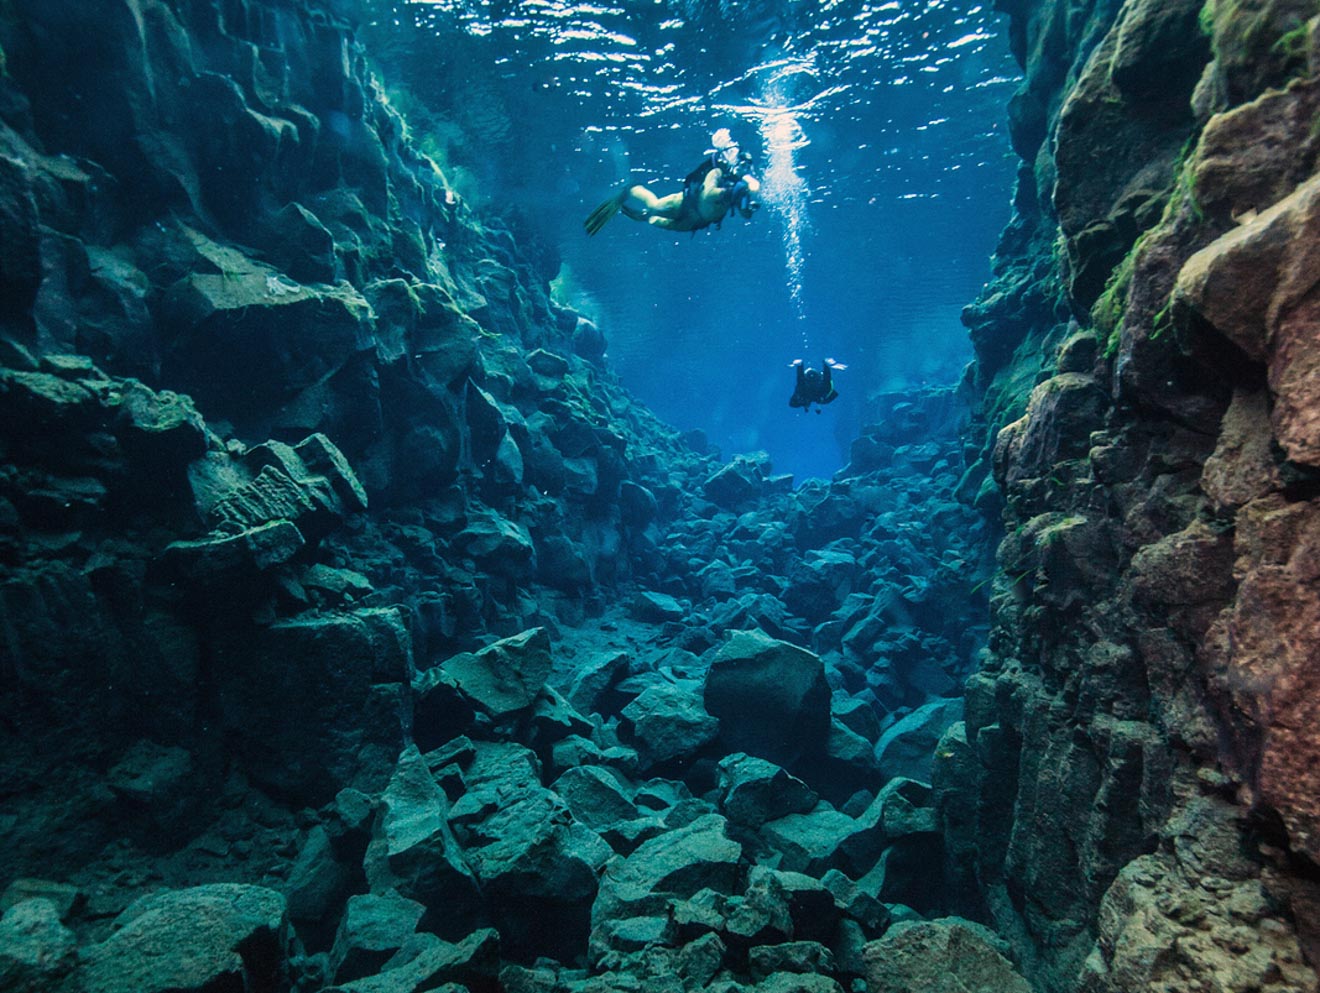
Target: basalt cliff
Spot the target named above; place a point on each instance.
(359, 632)
(1132, 795)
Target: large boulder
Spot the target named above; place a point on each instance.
(674, 865)
(330, 707)
(907, 747)
(414, 852)
(771, 698)
(36, 950)
(374, 927)
(214, 937)
(1256, 286)
(939, 957)
(753, 791)
(668, 723)
(503, 678)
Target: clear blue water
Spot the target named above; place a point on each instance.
(877, 128)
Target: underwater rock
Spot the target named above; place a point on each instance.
(676, 865)
(1243, 466)
(498, 545)
(249, 336)
(300, 245)
(810, 843)
(36, 950)
(1267, 636)
(907, 747)
(206, 937)
(374, 927)
(414, 852)
(318, 882)
(426, 962)
(331, 706)
(933, 956)
(505, 677)
(753, 791)
(667, 722)
(738, 482)
(1253, 286)
(805, 957)
(656, 607)
(771, 698)
(595, 796)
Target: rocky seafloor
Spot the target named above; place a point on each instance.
(361, 633)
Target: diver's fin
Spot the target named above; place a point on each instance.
(599, 217)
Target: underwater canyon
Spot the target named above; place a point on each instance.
(360, 631)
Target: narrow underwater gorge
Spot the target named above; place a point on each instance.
(362, 633)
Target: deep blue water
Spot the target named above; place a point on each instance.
(877, 128)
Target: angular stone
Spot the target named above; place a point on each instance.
(936, 956)
(771, 698)
(223, 935)
(65, 897)
(736, 483)
(810, 843)
(426, 962)
(656, 607)
(221, 558)
(498, 545)
(1242, 467)
(374, 927)
(36, 950)
(505, 677)
(1256, 286)
(675, 865)
(668, 722)
(318, 881)
(907, 747)
(329, 708)
(808, 957)
(595, 796)
(414, 851)
(247, 335)
(753, 791)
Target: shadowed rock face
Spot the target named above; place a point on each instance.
(1155, 639)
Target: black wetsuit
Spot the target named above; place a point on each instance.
(731, 180)
(813, 386)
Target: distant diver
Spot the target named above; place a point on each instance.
(716, 188)
(814, 385)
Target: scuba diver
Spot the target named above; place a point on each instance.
(716, 188)
(814, 385)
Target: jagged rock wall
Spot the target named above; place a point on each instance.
(1132, 795)
(358, 632)
(215, 199)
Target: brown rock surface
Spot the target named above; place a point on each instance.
(1264, 652)
(1257, 285)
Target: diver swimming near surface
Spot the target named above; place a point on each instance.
(716, 188)
(814, 385)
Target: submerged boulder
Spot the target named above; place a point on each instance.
(219, 936)
(771, 698)
(938, 956)
(503, 678)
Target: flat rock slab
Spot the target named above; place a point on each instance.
(505, 677)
